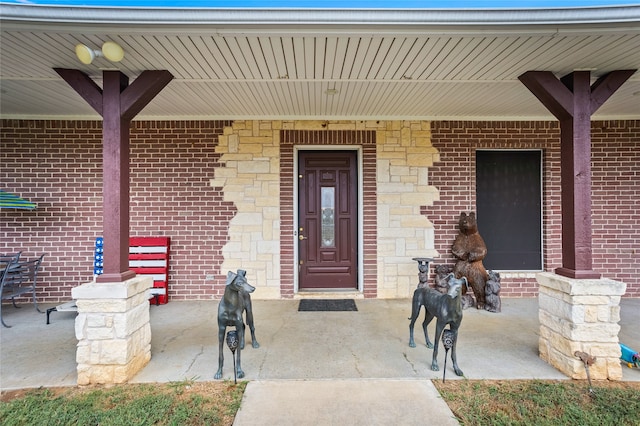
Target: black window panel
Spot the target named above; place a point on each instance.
(508, 196)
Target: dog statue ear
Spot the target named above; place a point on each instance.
(242, 272)
(230, 277)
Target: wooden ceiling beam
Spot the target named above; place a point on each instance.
(84, 86)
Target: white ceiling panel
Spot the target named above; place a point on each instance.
(381, 70)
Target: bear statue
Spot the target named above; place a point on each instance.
(467, 301)
(441, 281)
(423, 274)
(441, 278)
(492, 293)
(469, 249)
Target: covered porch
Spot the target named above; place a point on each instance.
(572, 99)
(371, 343)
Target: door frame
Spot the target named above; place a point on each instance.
(296, 220)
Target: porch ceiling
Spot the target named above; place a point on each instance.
(285, 64)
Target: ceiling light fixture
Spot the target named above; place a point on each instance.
(110, 50)
(331, 92)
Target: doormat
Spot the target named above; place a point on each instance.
(327, 305)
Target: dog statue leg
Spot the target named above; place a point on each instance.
(240, 330)
(242, 341)
(427, 319)
(221, 330)
(254, 342)
(415, 311)
(434, 362)
(454, 357)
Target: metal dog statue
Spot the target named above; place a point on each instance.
(235, 301)
(447, 308)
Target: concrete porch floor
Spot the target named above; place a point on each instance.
(371, 343)
(342, 356)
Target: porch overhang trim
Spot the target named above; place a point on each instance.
(228, 17)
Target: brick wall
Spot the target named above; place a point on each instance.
(615, 191)
(58, 164)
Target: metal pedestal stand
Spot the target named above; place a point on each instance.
(423, 270)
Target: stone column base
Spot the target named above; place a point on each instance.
(113, 330)
(580, 315)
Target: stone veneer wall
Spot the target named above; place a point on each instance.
(250, 179)
(113, 330)
(580, 316)
(404, 156)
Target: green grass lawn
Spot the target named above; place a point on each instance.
(537, 402)
(183, 403)
(474, 402)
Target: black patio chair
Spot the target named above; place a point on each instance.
(6, 258)
(19, 278)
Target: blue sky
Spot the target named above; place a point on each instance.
(359, 4)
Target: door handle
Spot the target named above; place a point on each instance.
(302, 237)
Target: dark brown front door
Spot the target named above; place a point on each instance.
(328, 220)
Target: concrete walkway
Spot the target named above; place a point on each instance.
(312, 367)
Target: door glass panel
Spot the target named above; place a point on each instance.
(327, 194)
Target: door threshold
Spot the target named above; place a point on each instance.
(329, 294)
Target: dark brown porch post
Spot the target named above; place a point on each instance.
(115, 180)
(118, 103)
(572, 101)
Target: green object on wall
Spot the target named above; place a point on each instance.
(12, 201)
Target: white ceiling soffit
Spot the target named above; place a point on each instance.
(319, 63)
